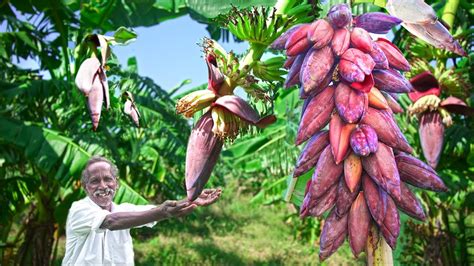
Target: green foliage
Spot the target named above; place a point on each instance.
(213, 8)
(380, 3)
(45, 136)
(124, 36)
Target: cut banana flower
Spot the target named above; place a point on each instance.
(131, 109)
(420, 20)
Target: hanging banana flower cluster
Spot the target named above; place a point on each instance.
(433, 114)
(226, 117)
(91, 79)
(362, 163)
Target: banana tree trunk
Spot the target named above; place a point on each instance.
(37, 246)
(379, 252)
(38, 240)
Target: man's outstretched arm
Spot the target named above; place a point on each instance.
(168, 209)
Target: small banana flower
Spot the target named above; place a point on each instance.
(231, 114)
(130, 108)
(195, 101)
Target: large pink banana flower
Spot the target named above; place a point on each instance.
(227, 116)
(433, 113)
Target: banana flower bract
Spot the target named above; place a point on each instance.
(420, 20)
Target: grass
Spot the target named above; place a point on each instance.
(232, 232)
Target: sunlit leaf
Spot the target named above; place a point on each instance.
(124, 36)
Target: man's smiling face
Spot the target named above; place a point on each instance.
(101, 185)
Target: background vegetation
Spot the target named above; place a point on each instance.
(45, 140)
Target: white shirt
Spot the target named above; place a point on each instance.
(88, 244)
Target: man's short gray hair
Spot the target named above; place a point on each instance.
(95, 159)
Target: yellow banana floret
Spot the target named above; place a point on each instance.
(447, 119)
(425, 103)
(195, 101)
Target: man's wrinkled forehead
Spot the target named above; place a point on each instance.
(99, 169)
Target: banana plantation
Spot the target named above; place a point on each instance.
(342, 134)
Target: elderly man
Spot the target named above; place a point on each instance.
(98, 231)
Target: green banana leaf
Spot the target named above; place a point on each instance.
(106, 14)
(380, 3)
(297, 195)
(207, 9)
(55, 155)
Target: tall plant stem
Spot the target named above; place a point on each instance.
(378, 251)
(254, 54)
(449, 12)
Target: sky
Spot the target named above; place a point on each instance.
(168, 52)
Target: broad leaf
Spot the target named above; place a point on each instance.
(380, 3)
(213, 8)
(54, 154)
(297, 195)
(124, 36)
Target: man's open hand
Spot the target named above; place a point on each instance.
(172, 208)
(207, 197)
